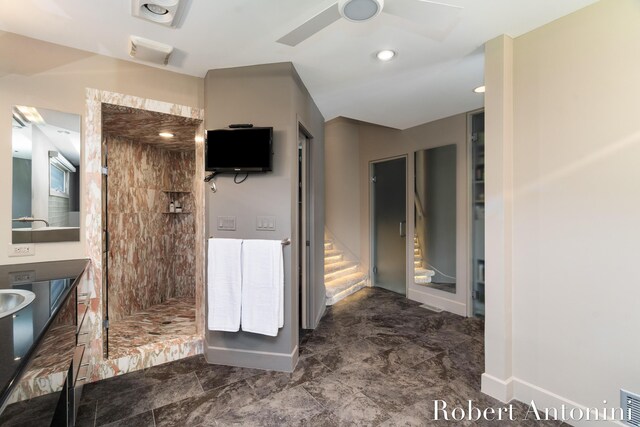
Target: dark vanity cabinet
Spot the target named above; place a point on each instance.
(45, 361)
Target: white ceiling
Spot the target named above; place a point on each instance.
(429, 79)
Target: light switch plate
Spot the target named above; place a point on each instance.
(227, 223)
(266, 223)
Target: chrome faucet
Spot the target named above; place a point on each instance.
(30, 219)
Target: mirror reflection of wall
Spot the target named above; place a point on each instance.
(46, 175)
(435, 218)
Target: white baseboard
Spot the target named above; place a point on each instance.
(526, 392)
(497, 388)
(252, 359)
(514, 388)
(436, 301)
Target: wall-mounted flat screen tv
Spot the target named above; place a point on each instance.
(239, 150)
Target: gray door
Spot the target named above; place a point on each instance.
(389, 224)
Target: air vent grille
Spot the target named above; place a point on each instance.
(149, 50)
(630, 403)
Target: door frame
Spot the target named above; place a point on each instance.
(314, 291)
(372, 217)
(303, 235)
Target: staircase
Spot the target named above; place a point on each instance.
(422, 276)
(341, 276)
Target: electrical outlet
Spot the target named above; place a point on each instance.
(22, 277)
(22, 250)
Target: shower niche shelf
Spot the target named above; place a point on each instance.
(178, 196)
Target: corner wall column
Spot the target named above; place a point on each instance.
(497, 379)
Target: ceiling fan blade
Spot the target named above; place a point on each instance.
(312, 26)
(430, 18)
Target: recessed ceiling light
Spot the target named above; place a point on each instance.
(156, 9)
(479, 89)
(164, 12)
(385, 55)
(166, 134)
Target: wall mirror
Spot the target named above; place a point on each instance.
(46, 176)
(435, 218)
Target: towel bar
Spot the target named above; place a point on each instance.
(283, 242)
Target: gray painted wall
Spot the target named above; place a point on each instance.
(266, 95)
(21, 191)
(74, 191)
(342, 148)
(308, 116)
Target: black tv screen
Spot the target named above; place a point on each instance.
(239, 150)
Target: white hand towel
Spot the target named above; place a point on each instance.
(224, 284)
(262, 287)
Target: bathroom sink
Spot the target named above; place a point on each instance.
(12, 300)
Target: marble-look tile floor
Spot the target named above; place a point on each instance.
(174, 318)
(375, 359)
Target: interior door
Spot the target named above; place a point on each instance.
(389, 210)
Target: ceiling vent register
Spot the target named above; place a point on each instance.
(149, 50)
(630, 404)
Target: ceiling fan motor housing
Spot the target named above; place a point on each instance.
(360, 10)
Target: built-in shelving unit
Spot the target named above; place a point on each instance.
(478, 197)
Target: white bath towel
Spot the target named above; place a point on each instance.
(224, 284)
(262, 287)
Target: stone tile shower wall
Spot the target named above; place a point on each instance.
(151, 252)
(92, 186)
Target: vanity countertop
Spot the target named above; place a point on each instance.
(22, 332)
